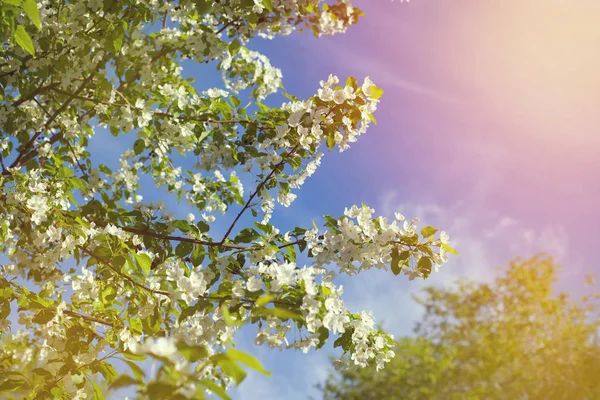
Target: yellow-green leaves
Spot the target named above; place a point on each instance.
(30, 8)
(23, 39)
(424, 266)
(399, 260)
(428, 231)
(247, 359)
(18, 33)
(449, 249)
(144, 261)
(234, 47)
(267, 298)
(268, 4)
(375, 92)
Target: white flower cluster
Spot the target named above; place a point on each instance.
(188, 288)
(360, 242)
(250, 68)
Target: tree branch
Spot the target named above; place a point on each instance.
(24, 153)
(258, 188)
(88, 318)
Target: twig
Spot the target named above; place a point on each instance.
(66, 141)
(258, 188)
(130, 279)
(17, 163)
(88, 318)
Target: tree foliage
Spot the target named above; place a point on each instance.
(101, 278)
(514, 338)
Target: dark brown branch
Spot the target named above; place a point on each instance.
(88, 318)
(25, 151)
(145, 232)
(258, 188)
(67, 141)
(32, 95)
(127, 277)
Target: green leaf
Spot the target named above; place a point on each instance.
(246, 236)
(330, 142)
(108, 371)
(247, 359)
(449, 249)
(216, 389)
(182, 225)
(291, 250)
(351, 81)
(11, 385)
(268, 4)
(281, 313)
(198, 255)
(424, 265)
(97, 392)
(160, 390)
(372, 118)
(267, 298)
(118, 40)
(139, 146)
(227, 317)
(395, 265)
(137, 371)
(136, 357)
(24, 40)
(235, 101)
(234, 47)
(192, 353)
(375, 92)
(202, 6)
(183, 249)
(44, 316)
(428, 231)
(122, 381)
(203, 226)
(144, 261)
(230, 367)
(4, 309)
(344, 341)
(323, 336)
(30, 8)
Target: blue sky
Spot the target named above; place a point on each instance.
(486, 130)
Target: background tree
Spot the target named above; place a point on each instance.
(101, 277)
(514, 338)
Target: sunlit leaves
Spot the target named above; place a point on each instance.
(247, 359)
(23, 39)
(30, 8)
(144, 261)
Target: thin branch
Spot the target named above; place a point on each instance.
(258, 188)
(145, 232)
(181, 239)
(79, 97)
(32, 95)
(25, 151)
(227, 25)
(116, 271)
(88, 318)
(67, 140)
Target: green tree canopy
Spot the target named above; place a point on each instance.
(514, 338)
(100, 277)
